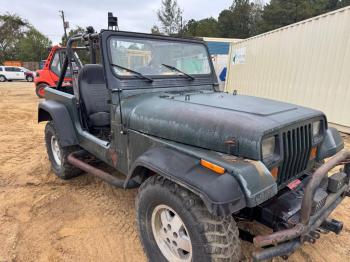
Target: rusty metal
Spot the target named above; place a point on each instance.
(309, 239)
(73, 160)
(300, 229)
(305, 225)
(281, 250)
(345, 162)
(315, 234)
(114, 156)
(279, 236)
(289, 247)
(315, 181)
(231, 142)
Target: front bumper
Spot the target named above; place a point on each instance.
(307, 228)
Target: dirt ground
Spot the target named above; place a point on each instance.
(45, 219)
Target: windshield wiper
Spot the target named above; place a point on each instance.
(173, 68)
(133, 72)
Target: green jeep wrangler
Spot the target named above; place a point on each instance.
(203, 160)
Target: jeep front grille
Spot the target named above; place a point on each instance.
(297, 144)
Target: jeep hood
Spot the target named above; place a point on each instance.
(216, 121)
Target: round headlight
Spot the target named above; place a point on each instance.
(268, 147)
(316, 128)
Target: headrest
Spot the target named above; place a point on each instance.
(92, 74)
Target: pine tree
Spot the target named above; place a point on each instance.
(170, 17)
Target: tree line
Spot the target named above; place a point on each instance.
(20, 40)
(243, 18)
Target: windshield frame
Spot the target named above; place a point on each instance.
(140, 36)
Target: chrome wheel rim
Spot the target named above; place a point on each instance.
(171, 234)
(2, 79)
(56, 152)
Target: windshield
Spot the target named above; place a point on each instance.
(156, 57)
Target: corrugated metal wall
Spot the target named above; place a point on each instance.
(307, 63)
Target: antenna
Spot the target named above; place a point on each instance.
(112, 22)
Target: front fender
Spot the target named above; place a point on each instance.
(53, 110)
(221, 194)
(332, 144)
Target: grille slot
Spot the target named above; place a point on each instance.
(297, 146)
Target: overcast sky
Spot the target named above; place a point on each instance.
(138, 16)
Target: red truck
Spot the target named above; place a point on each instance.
(48, 76)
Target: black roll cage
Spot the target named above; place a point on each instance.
(88, 39)
(91, 38)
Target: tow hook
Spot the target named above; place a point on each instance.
(315, 234)
(332, 225)
(311, 237)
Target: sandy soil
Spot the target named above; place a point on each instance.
(45, 219)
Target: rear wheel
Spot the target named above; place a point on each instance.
(29, 79)
(58, 154)
(2, 78)
(40, 90)
(175, 225)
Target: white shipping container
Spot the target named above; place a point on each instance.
(220, 62)
(219, 54)
(307, 63)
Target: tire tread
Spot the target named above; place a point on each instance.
(66, 171)
(221, 233)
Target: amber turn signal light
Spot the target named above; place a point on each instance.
(274, 172)
(313, 153)
(217, 169)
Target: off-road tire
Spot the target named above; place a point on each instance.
(29, 79)
(38, 89)
(213, 238)
(2, 78)
(64, 170)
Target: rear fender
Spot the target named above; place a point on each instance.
(51, 110)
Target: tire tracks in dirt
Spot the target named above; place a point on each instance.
(43, 218)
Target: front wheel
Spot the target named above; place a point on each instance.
(2, 78)
(175, 225)
(40, 90)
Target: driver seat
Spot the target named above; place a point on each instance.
(94, 95)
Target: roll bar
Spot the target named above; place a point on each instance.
(85, 37)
